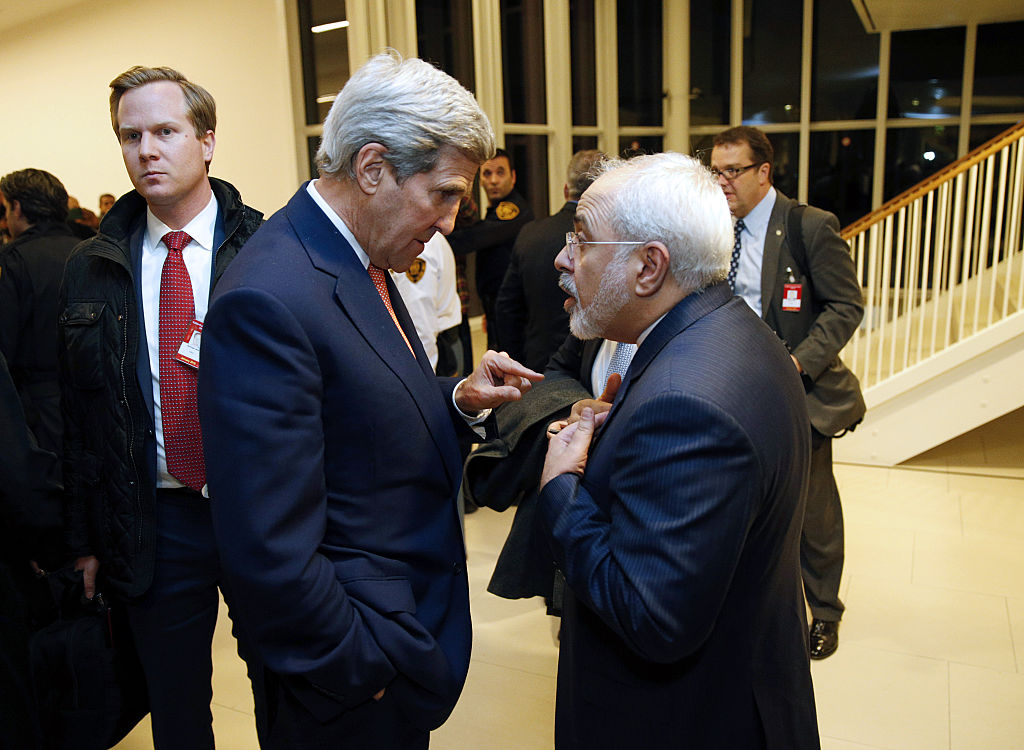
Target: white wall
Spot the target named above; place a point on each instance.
(55, 71)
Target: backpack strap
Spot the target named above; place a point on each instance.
(795, 237)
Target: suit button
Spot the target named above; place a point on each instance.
(458, 568)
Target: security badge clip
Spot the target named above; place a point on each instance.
(188, 352)
(792, 294)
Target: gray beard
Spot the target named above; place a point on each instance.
(612, 295)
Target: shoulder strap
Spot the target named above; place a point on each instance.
(795, 236)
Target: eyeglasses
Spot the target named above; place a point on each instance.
(573, 244)
(731, 173)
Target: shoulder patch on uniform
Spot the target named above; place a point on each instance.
(416, 270)
(507, 210)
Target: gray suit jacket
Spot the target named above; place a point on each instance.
(831, 309)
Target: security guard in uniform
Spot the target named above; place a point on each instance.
(492, 239)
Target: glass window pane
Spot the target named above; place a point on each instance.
(840, 179)
(444, 36)
(787, 162)
(522, 55)
(911, 154)
(640, 87)
(312, 146)
(530, 158)
(582, 60)
(324, 55)
(771, 62)
(844, 71)
(635, 145)
(999, 69)
(700, 147)
(709, 62)
(926, 73)
(583, 142)
(982, 134)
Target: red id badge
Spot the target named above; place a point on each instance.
(791, 295)
(188, 352)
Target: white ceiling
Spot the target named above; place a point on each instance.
(903, 15)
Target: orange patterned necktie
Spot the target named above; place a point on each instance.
(379, 278)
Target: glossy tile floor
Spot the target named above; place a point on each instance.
(931, 648)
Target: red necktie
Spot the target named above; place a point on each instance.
(183, 443)
(380, 281)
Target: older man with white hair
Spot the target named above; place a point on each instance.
(678, 525)
(333, 457)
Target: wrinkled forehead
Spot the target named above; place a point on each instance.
(453, 173)
(597, 205)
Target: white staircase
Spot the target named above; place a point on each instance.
(941, 348)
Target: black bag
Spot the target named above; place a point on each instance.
(86, 676)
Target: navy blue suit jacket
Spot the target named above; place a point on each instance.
(680, 545)
(333, 468)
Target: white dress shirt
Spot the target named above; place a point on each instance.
(198, 257)
(599, 370)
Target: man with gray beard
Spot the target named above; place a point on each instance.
(677, 526)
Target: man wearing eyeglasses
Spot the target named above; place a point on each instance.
(677, 525)
(795, 271)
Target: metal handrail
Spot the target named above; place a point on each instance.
(941, 262)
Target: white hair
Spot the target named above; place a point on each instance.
(673, 199)
(408, 106)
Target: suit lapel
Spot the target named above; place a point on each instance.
(690, 309)
(773, 237)
(357, 296)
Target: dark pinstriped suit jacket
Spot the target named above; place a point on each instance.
(680, 544)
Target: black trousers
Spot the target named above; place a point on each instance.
(20, 730)
(173, 623)
(487, 301)
(821, 542)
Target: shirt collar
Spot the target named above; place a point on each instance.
(756, 222)
(338, 223)
(200, 229)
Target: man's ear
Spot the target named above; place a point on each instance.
(370, 166)
(208, 142)
(654, 269)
